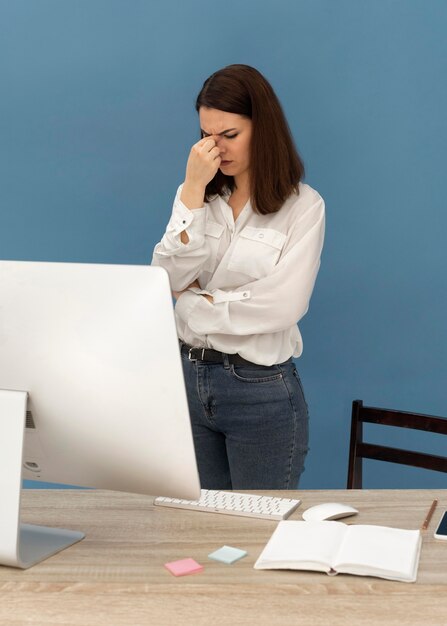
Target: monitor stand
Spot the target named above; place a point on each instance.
(21, 545)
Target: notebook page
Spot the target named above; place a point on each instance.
(311, 545)
(367, 549)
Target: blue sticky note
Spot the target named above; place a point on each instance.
(227, 554)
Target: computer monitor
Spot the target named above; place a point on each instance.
(91, 391)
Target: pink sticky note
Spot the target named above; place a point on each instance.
(183, 567)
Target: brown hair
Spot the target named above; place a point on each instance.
(276, 168)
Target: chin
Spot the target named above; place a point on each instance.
(226, 167)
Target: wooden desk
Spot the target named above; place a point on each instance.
(115, 576)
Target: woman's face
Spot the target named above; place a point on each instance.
(232, 134)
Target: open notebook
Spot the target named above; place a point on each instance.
(334, 547)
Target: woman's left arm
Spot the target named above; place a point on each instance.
(270, 304)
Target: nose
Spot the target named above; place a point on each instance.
(219, 143)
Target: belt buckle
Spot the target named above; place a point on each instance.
(191, 358)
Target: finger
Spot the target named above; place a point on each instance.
(203, 146)
(214, 136)
(200, 145)
(215, 152)
(209, 145)
(204, 140)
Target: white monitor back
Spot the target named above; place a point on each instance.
(96, 348)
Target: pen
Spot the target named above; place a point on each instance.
(429, 515)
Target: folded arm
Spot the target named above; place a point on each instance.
(269, 304)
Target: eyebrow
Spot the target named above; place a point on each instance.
(222, 133)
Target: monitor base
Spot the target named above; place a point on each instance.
(40, 542)
(21, 545)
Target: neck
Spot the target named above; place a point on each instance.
(242, 183)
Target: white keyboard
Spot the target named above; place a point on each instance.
(231, 503)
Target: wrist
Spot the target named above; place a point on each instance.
(193, 194)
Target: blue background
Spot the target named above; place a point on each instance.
(97, 119)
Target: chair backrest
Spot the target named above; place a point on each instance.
(358, 449)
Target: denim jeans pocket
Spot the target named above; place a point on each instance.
(300, 384)
(253, 374)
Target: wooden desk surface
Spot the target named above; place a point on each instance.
(115, 576)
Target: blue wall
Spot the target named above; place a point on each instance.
(96, 121)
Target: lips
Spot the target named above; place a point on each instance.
(225, 163)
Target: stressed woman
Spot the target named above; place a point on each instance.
(242, 249)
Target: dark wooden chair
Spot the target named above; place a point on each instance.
(359, 450)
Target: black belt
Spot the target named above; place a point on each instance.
(212, 356)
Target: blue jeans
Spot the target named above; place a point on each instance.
(249, 423)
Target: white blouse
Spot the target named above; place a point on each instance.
(260, 270)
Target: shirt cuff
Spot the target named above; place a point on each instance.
(220, 296)
(182, 218)
(187, 303)
(202, 292)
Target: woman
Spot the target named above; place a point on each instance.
(242, 249)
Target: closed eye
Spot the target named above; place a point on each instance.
(204, 134)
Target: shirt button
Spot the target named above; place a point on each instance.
(245, 294)
(261, 235)
(184, 222)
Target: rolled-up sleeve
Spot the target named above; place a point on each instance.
(182, 261)
(272, 303)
